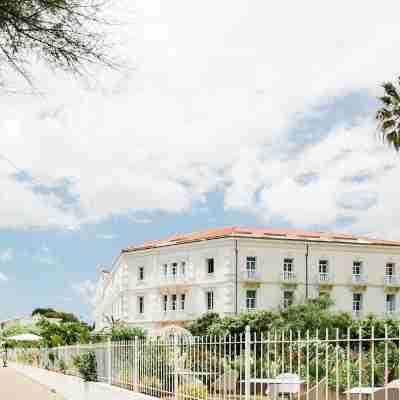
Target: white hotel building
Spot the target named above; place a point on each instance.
(231, 270)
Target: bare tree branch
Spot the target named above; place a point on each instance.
(67, 34)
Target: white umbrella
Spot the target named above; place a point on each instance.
(26, 337)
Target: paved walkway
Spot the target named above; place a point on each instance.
(16, 386)
(71, 387)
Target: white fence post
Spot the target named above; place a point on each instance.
(175, 350)
(109, 359)
(136, 365)
(247, 363)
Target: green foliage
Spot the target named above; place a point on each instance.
(388, 116)
(199, 327)
(67, 333)
(62, 366)
(125, 333)
(87, 366)
(51, 313)
(192, 391)
(310, 316)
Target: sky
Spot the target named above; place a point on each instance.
(227, 113)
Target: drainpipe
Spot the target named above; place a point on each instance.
(236, 277)
(307, 271)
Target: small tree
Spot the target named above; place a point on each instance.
(388, 116)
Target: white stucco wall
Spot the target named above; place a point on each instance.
(122, 288)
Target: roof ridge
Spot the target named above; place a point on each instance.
(283, 233)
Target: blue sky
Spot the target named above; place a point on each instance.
(246, 115)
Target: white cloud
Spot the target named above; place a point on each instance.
(86, 289)
(6, 255)
(206, 109)
(3, 277)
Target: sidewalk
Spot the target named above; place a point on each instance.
(16, 386)
(71, 387)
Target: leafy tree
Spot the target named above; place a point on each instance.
(67, 333)
(388, 116)
(51, 313)
(66, 34)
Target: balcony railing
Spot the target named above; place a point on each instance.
(289, 277)
(391, 313)
(391, 280)
(359, 279)
(250, 275)
(174, 279)
(325, 278)
(174, 315)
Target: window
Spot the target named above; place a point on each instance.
(288, 297)
(183, 267)
(390, 303)
(288, 269)
(323, 266)
(165, 303)
(251, 299)
(174, 269)
(210, 265)
(250, 263)
(141, 273)
(288, 265)
(165, 266)
(210, 300)
(389, 269)
(357, 267)
(357, 302)
(183, 299)
(173, 302)
(141, 304)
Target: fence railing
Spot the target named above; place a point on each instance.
(322, 365)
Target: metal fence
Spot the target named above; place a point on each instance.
(328, 365)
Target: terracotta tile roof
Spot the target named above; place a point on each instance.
(284, 234)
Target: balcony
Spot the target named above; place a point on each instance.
(359, 280)
(391, 313)
(325, 278)
(174, 315)
(174, 280)
(289, 278)
(251, 276)
(391, 281)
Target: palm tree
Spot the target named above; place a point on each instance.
(389, 115)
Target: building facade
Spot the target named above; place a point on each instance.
(232, 270)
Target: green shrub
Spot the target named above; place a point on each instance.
(62, 366)
(87, 366)
(126, 333)
(192, 391)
